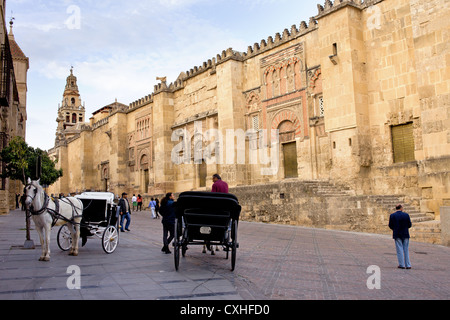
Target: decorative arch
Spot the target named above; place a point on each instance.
(313, 80)
(287, 115)
(283, 77)
(253, 101)
(144, 160)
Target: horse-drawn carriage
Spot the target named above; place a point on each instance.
(205, 218)
(100, 219)
(92, 213)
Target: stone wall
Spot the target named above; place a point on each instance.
(312, 204)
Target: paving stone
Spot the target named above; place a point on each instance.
(274, 262)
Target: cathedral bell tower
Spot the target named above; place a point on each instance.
(71, 112)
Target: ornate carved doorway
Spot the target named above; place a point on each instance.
(145, 178)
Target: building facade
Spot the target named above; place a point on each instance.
(13, 100)
(359, 97)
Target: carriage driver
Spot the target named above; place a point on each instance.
(124, 211)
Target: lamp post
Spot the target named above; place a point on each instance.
(29, 243)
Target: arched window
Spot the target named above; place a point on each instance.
(276, 84)
(269, 93)
(290, 78)
(74, 118)
(144, 164)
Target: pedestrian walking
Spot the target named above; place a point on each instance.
(400, 222)
(157, 208)
(152, 206)
(124, 212)
(134, 201)
(139, 202)
(168, 221)
(22, 201)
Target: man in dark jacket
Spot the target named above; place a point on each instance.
(124, 211)
(400, 222)
(167, 211)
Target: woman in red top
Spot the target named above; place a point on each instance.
(139, 202)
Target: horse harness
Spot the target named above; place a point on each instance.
(54, 213)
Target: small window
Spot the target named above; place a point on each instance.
(321, 107)
(403, 142)
(255, 121)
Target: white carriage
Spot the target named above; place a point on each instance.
(100, 219)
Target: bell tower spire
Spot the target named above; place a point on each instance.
(71, 112)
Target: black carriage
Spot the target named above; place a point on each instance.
(205, 218)
(100, 219)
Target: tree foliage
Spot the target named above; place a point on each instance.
(22, 160)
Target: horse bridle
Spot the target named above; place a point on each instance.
(46, 201)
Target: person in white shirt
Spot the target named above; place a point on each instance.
(134, 200)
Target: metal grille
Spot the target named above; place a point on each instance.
(7, 78)
(321, 107)
(255, 122)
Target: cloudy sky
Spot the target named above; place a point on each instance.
(119, 47)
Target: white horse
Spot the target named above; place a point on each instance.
(47, 213)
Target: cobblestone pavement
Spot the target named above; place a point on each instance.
(273, 263)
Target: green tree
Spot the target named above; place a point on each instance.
(22, 161)
(48, 172)
(15, 156)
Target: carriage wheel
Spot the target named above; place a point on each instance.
(184, 242)
(176, 245)
(64, 238)
(234, 244)
(110, 239)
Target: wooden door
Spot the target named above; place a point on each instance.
(290, 160)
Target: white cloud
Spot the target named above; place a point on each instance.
(121, 47)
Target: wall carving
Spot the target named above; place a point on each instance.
(282, 71)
